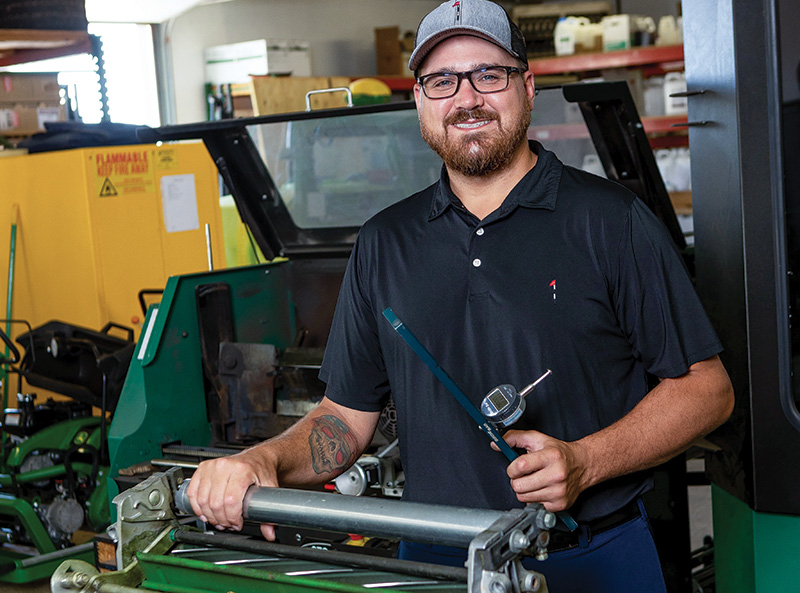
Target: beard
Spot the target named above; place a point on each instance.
(479, 153)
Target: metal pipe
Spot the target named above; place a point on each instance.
(44, 473)
(50, 556)
(12, 255)
(373, 516)
(367, 561)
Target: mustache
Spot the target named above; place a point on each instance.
(467, 114)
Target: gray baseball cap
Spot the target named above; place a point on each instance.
(480, 18)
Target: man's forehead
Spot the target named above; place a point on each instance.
(464, 52)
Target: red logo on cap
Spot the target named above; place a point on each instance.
(456, 3)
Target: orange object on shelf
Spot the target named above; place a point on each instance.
(638, 56)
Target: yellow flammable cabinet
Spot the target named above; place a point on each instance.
(97, 225)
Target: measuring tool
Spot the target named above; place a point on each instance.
(484, 424)
(504, 405)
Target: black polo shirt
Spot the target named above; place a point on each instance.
(572, 273)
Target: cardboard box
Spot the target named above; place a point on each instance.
(388, 51)
(236, 62)
(392, 51)
(24, 120)
(29, 88)
(287, 94)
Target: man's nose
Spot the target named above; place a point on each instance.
(467, 97)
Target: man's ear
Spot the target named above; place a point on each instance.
(530, 87)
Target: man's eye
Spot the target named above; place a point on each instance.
(488, 77)
(440, 83)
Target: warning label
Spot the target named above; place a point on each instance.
(167, 159)
(108, 189)
(123, 172)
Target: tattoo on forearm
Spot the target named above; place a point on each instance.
(333, 446)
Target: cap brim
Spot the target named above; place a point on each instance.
(422, 51)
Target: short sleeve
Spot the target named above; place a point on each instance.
(353, 366)
(655, 300)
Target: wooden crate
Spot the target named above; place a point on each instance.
(287, 94)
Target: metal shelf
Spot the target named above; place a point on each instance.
(667, 57)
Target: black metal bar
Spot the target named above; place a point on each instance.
(240, 543)
(690, 124)
(202, 129)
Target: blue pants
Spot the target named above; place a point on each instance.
(620, 560)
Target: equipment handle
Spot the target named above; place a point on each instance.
(366, 515)
(342, 89)
(15, 357)
(111, 325)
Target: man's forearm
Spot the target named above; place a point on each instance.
(665, 423)
(319, 447)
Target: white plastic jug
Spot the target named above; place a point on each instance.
(565, 34)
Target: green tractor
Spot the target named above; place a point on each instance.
(54, 466)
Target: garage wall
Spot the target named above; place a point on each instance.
(341, 34)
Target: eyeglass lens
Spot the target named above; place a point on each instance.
(483, 80)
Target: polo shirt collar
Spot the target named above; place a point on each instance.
(537, 189)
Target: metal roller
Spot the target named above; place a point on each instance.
(425, 523)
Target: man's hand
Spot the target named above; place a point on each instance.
(218, 487)
(316, 449)
(551, 472)
(672, 416)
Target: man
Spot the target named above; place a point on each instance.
(511, 264)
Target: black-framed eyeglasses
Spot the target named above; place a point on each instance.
(441, 85)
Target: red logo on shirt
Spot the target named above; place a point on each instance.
(553, 286)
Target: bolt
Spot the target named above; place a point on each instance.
(545, 520)
(155, 498)
(530, 583)
(298, 538)
(185, 334)
(81, 579)
(498, 586)
(518, 541)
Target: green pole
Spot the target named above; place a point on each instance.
(10, 292)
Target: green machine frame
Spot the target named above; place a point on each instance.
(163, 398)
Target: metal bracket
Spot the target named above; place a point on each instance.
(78, 576)
(494, 564)
(342, 89)
(143, 512)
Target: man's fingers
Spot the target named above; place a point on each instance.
(530, 440)
(268, 531)
(527, 464)
(217, 489)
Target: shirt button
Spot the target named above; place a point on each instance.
(476, 262)
(479, 232)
